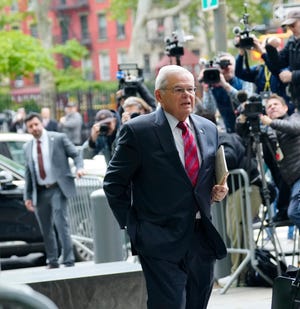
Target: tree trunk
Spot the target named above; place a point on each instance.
(44, 25)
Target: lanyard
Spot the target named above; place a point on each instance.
(267, 77)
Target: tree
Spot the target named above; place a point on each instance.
(21, 55)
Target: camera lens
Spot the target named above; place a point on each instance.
(103, 130)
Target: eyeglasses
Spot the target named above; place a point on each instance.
(181, 90)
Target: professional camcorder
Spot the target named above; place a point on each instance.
(103, 130)
(211, 74)
(174, 44)
(245, 40)
(174, 47)
(129, 76)
(252, 108)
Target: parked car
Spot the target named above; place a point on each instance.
(19, 230)
(11, 145)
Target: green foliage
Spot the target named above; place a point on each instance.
(72, 49)
(118, 9)
(22, 54)
(71, 79)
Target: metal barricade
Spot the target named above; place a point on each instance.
(236, 227)
(81, 218)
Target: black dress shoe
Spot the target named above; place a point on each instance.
(51, 266)
(69, 264)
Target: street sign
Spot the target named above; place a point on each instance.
(209, 5)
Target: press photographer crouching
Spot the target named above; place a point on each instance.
(102, 135)
(220, 88)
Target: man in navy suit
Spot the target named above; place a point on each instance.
(152, 196)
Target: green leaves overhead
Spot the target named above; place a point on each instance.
(22, 54)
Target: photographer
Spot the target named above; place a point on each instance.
(131, 85)
(260, 75)
(133, 107)
(287, 130)
(222, 95)
(102, 136)
(286, 63)
(249, 128)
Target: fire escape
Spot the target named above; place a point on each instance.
(65, 11)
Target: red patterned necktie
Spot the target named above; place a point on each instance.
(191, 160)
(40, 160)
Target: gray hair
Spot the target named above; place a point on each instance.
(163, 74)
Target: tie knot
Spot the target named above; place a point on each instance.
(183, 126)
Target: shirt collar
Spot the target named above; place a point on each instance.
(174, 121)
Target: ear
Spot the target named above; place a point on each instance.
(157, 94)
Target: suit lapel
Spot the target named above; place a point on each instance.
(51, 147)
(165, 136)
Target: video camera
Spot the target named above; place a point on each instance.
(211, 74)
(252, 108)
(129, 76)
(245, 40)
(174, 47)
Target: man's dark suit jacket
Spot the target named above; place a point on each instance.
(160, 210)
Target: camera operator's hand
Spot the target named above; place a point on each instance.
(265, 120)
(257, 46)
(285, 76)
(205, 86)
(95, 130)
(223, 83)
(125, 117)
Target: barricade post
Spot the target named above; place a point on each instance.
(108, 237)
(81, 218)
(238, 233)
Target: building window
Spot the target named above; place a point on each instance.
(87, 68)
(160, 28)
(66, 62)
(120, 30)
(104, 63)
(34, 30)
(14, 6)
(102, 27)
(64, 26)
(122, 56)
(84, 27)
(147, 69)
(176, 22)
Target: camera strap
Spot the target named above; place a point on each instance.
(267, 73)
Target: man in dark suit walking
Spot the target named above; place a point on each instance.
(163, 205)
(48, 184)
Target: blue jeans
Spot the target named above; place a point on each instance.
(294, 206)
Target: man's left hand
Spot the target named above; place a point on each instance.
(219, 192)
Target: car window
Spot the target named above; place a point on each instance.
(15, 168)
(16, 151)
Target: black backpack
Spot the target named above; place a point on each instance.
(267, 264)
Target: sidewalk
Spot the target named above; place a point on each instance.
(241, 298)
(252, 297)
